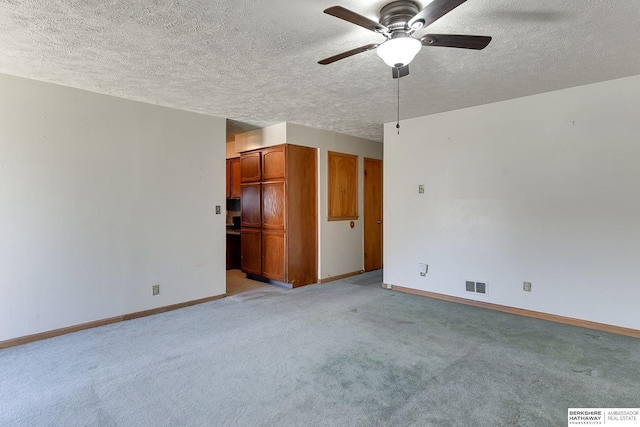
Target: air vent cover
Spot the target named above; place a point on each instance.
(481, 288)
(471, 286)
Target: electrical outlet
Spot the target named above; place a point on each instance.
(155, 289)
(420, 189)
(526, 286)
(218, 210)
(388, 286)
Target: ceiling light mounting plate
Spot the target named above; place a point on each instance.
(396, 14)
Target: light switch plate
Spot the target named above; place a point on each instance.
(423, 268)
(420, 189)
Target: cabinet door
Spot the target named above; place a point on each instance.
(273, 205)
(251, 212)
(228, 179)
(273, 260)
(251, 248)
(342, 186)
(236, 176)
(250, 167)
(273, 163)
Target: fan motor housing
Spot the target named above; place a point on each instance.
(396, 14)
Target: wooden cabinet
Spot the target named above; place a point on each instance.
(342, 186)
(273, 163)
(279, 214)
(228, 179)
(233, 178)
(250, 167)
(251, 248)
(273, 250)
(273, 205)
(251, 205)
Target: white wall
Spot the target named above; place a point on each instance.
(543, 189)
(341, 247)
(100, 198)
(231, 150)
(259, 138)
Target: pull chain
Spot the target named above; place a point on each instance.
(398, 122)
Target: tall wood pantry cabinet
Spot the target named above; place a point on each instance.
(279, 235)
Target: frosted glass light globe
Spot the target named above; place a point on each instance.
(400, 51)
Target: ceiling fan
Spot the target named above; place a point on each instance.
(398, 21)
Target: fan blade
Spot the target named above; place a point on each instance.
(454, 40)
(355, 18)
(432, 12)
(348, 54)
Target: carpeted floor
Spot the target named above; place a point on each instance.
(346, 353)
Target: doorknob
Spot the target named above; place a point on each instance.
(379, 222)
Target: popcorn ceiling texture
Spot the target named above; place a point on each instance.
(255, 62)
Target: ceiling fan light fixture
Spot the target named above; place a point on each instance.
(400, 51)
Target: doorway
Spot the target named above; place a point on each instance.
(372, 214)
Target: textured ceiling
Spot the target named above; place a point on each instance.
(255, 62)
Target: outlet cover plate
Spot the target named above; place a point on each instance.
(526, 286)
(155, 289)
